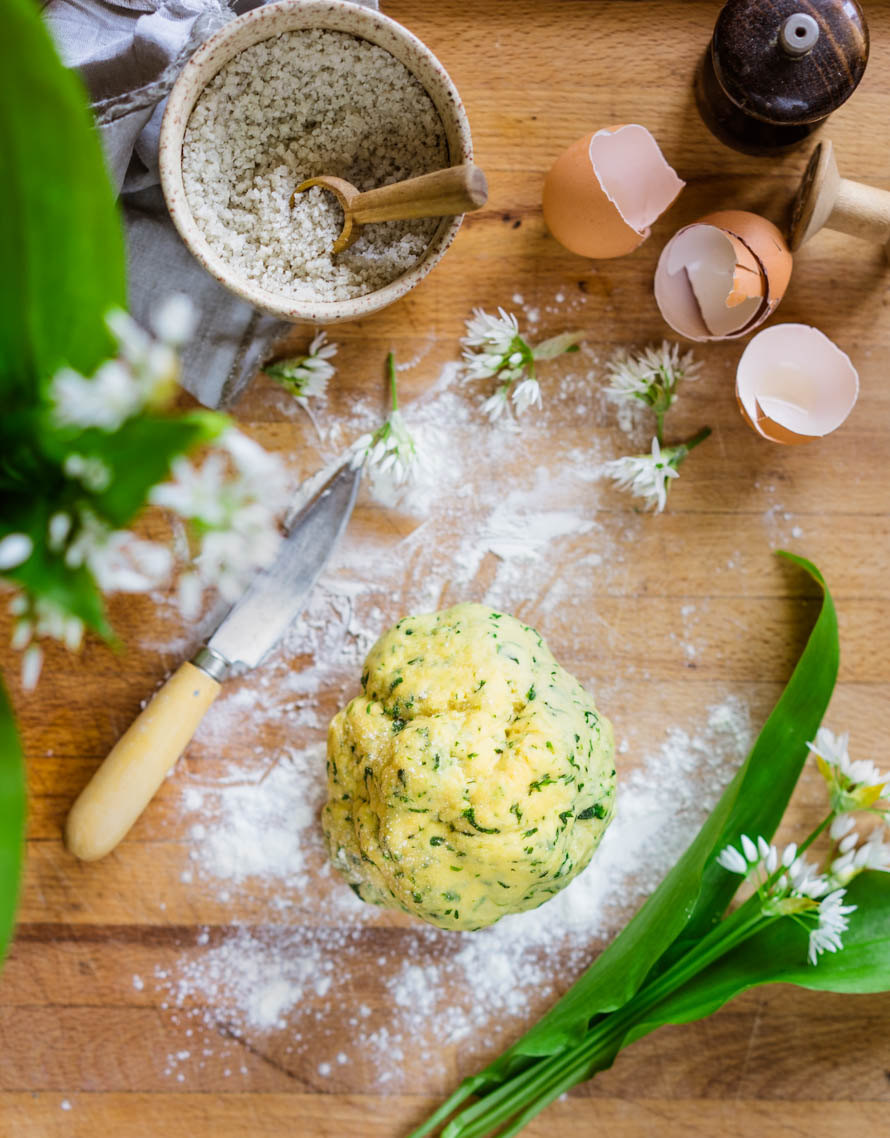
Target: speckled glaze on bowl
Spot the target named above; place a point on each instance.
(264, 23)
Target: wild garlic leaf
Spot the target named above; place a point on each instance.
(12, 818)
(778, 955)
(557, 345)
(61, 244)
(696, 888)
(137, 455)
(763, 787)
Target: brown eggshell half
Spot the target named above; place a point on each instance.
(794, 385)
(603, 193)
(766, 243)
(708, 284)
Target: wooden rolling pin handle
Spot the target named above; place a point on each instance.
(130, 776)
(457, 189)
(861, 211)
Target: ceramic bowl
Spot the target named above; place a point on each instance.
(264, 23)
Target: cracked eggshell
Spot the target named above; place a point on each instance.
(794, 385)
(722, 276)
(604, 192)
(767, 244)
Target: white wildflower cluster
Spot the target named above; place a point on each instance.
(230, 501)
(649, 476)
(853, 854)
(494, 347)
(650, 376)
(646, 476)
(119, 561)
(142, 374)
(390, 451)
(306, 376)
(390, 454)
(852, 784)
(789, 885)
(37, 617)
(232, 516)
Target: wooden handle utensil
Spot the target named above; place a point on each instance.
(825, 200)
(457, 189)
(136, 766)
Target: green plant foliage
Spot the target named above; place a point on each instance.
(62, 269)
(61, 245)
(696, 892)
(778, 954)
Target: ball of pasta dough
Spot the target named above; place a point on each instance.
(473, 776)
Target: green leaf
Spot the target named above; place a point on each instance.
(778, 954)
(138, 455)
(61, 245)
(697, 891)
(763, 787)
(12, 819)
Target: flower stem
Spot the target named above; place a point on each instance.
(391, 369)
(698, 437)
(532, 1089)
(815, 834)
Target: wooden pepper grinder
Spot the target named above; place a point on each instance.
(776, 69)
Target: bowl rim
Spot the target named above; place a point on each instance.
(207, 61)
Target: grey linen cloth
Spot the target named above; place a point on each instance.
(129, 53)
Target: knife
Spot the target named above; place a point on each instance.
(134, 769)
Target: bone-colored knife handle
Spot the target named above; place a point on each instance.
(130, 776)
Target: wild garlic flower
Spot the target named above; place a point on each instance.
(650, 376)
(306, 376)
(649, 476)
(37, 617)
(119, 561)
(852, 857)
(831, 924)
(852, 784)
(143, 374)
(495, 336)
(494, 346)
(789, 885)
(526, 393)
(495, 405)
(15, 549)
(233, 517)
(390, 454)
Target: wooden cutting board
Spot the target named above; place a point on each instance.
(86, 1050)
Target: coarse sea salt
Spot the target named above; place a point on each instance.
(282, 968)
(290, 108)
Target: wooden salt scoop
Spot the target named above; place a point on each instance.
(825, 200)
(456, 189)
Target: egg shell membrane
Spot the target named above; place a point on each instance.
(679, 301)
(813, 342)
(603, 193)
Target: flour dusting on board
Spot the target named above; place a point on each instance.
(496, 520)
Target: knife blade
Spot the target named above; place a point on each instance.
(136, 766)
(273, 600)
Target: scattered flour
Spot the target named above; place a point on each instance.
(496, 521)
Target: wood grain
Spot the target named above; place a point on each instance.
(85, 1050)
